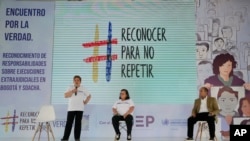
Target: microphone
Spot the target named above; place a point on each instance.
(76, 90)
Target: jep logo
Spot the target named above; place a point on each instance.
(7, 121)
(144, 121)
(95, 58)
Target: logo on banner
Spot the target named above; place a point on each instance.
(174, 122)
(144, 121)
(239, 132)
(61, 123)
(9, 120)
(165, 122)
(96, 58)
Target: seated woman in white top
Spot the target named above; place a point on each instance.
(123, 111)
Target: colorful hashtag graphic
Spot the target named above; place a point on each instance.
(7, 122)
(97, 58)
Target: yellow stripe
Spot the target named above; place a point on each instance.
(95, 53)
(7, 125)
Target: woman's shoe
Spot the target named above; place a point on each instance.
(129, 137)
(117, 137)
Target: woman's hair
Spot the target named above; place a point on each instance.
(222, 59)
(245, 122)
(77, 76)
(227, 89)
(241, 103)
(127, 93)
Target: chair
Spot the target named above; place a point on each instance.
(123, 125)
(203, 126)
(46, 115)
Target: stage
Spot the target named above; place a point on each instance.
(99, 139)
(103, 139)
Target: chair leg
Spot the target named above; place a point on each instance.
(202, 126)
(37, 129)
(123, 127)
(41, 126)
(198, 130)
(47, 126)
(51, 131)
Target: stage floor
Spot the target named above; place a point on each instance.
(101, 139)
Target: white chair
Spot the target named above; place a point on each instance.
(46, 115)
(122, 125)
(203, 129)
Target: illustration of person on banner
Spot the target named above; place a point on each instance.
(244, 107)
(228, 101)
(223, 66)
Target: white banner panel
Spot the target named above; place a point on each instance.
(26, 41)
(26, 52)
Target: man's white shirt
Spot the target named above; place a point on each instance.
(203, 107)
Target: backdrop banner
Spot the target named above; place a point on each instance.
(161, 51)
(26, 44)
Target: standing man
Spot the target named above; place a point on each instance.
(78, 98)
(205, 109)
